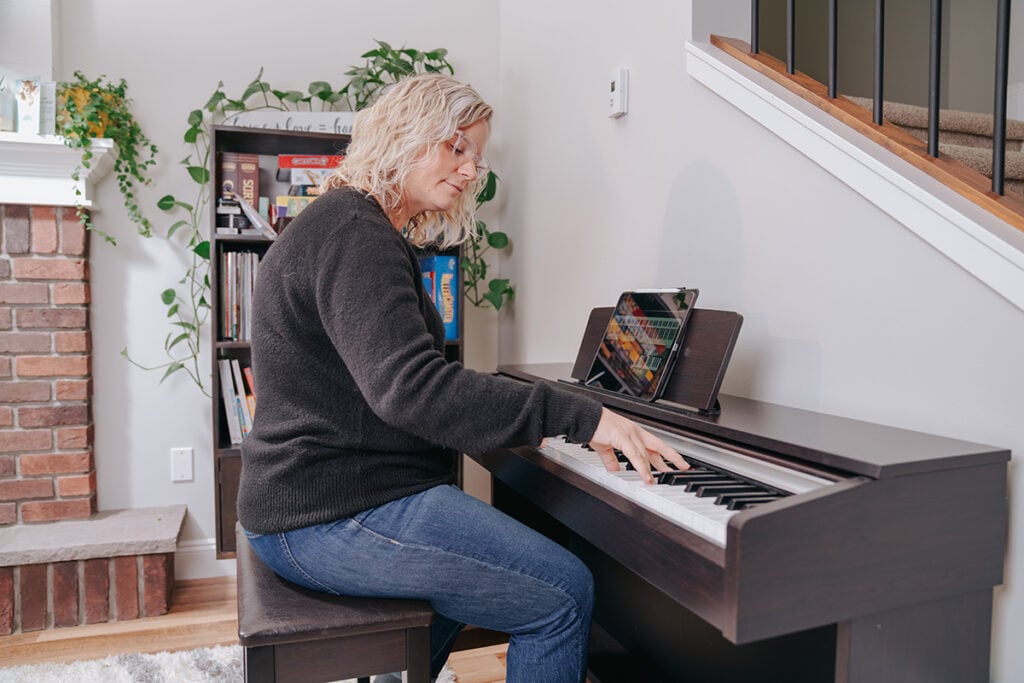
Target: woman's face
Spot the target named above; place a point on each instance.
(436, 185)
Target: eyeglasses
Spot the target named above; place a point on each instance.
(462, 148)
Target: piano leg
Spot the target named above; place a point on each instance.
(935, 642)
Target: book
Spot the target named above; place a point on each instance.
(230, 400)
(240, 176)
(243, 398)
(309, 160)
(237, 272)
(441, 281)
(249, 380)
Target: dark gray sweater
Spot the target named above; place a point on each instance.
(356, 404)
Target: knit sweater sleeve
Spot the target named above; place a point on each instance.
(369, 300)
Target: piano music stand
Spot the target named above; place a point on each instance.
(707, 347)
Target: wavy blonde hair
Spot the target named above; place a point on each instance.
(405, 129)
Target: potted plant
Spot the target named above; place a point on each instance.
(88, 109)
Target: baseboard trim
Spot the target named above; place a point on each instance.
(197, 559)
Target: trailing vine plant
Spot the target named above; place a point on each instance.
(91, 109)
(188, 305)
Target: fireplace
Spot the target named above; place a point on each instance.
(62, 563)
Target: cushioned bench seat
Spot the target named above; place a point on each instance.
(293, 634)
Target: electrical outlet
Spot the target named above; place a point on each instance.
(181, 464)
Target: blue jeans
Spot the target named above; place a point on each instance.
(474, 564)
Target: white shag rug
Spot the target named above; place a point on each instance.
(221, 664)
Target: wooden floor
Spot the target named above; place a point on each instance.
(203, 615)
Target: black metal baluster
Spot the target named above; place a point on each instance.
(833, 36)
(790, 36)
(879, 57)
(934, 73)
(755, 28)
(999, 111)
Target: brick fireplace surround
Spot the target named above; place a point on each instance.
(61, 563)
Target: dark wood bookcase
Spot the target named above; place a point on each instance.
(267, 143)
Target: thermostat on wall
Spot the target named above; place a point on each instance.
(618, 92)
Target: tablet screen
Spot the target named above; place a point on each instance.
(640, 343)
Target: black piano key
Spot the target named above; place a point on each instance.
(686, 481)
(663, 477)
(692, 486)
(684, 478)
(709, 490)
(743, 503)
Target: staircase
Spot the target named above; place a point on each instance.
(963, 136)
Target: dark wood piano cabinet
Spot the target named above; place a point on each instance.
(884, 576)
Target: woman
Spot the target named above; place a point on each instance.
(346, 477)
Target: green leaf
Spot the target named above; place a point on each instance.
(195, 118)
(320, 89)
(174, 228)
(254, 87)
(494, 299)
(489, 189)
(172, 311)
(192, 134)
(166, 203)
(498, 285)
(184, 324)
(203, 249)
(177, 340)
(167, 296)
(171, 369)
(497, 240)
(215, 99)
(200, 174)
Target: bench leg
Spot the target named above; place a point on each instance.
(258, 664)
(417, 654)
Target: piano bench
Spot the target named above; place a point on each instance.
(289, 633)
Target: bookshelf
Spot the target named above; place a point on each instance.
(267, 144)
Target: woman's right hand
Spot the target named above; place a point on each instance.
(643, 449)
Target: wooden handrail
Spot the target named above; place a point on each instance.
(967, 182)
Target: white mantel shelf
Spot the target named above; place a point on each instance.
(36, 169)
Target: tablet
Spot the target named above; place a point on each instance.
(641, 342)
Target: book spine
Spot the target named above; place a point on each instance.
(447, 299)
(249, 176)
(246, 414)
(240, 175)
(227, 392)
(441, 281)
(228, 167)
(249, 380)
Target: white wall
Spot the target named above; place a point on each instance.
(846, 311)
(172, 56)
